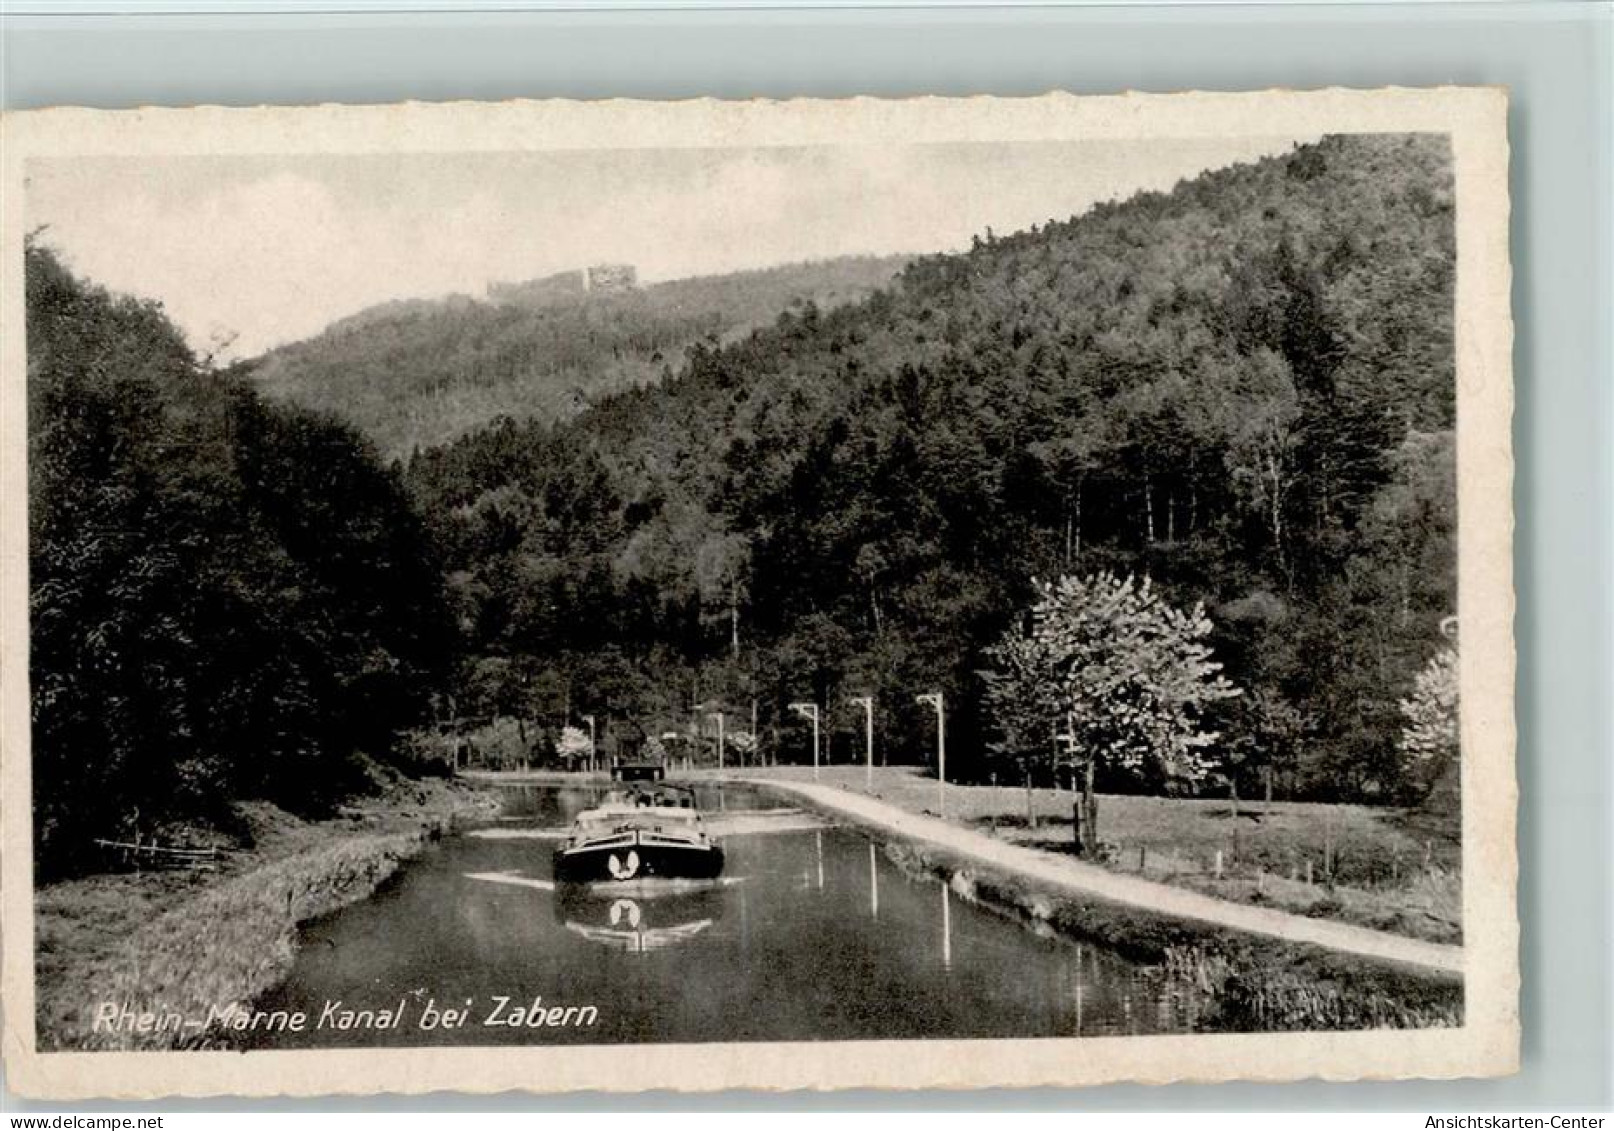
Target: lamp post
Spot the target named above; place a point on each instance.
(718, 715)
(593, 754)
(867, 703)
(810, 711)
(934, 699)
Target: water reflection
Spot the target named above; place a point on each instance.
(874, 884)
(1078, 969)
(875, 953)
(638, 925)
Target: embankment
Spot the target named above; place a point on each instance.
(1262, 969)
(537, 777)
(180, 946)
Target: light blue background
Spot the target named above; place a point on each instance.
(1554, 56)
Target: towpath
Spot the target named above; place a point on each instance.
(1073, 877)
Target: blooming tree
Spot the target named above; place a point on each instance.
(1130, 673)
(573, 745)
(1429, 740)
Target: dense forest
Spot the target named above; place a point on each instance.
(228, 599)
(737, 494)
(1242, 389)
(423, 372)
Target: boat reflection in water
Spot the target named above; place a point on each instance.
(657, 915)
(764, 952)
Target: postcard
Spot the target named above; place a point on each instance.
(941, 593)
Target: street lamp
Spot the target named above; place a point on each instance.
(934, 699)
(719, 717)
(867, 703)
(810, 711)
(756, 738)
(592, 753)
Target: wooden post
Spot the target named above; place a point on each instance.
(1143, 858)
(1218, 863)
(1089, 810)
(815, 742)
(1031, 809)
(1328, 846)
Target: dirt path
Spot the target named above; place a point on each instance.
(1072, 876)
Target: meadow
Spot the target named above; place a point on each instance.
(1380, 867)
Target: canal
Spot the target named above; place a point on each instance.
(812, 934)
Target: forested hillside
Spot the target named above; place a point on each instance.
(1242, 388)
(228, 599)
(417, 373)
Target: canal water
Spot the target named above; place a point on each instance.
(811, 935)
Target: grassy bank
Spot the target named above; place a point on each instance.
(181, 942)
(1246, 983)
(1370, 867)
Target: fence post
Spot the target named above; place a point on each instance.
(1328, 846)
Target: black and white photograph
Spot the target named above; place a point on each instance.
(702, 595)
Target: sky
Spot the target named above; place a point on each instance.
(261, 251)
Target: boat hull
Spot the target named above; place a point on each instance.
(636, 856)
